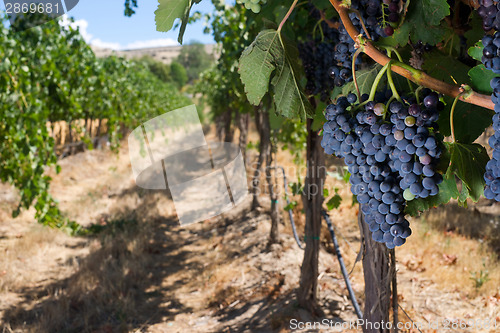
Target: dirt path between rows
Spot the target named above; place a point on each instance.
(144, 273)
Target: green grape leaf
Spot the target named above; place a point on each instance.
(170, 10)
(271, 59)
(470, 120)
(424, 18)
(256, 65)
(480, 79)
(476, 31)
(399, 38)
(335, 93)
(275, 120)
(446, 68)
(319, 118)
(334, 202)
(447, 191)
(365, 79)
(476, 51)
(291, 205)
(468, 163)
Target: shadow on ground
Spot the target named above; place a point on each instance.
(118, 286)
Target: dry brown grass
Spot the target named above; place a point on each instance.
(450, 259)
(23, 251)
(106, 289)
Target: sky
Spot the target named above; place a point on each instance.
(103, 24)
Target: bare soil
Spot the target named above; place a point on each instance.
(144, 273)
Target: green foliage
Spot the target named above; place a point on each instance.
(468, 163)
(129, 7)
(335, 201)
(170, 10)
(481, 277)
(423, 21)
(476, 51)
(179, 74)
(159, 69)
(50, 74)
(365, 78)
(480, 79)
(273, 59)
(195, 60)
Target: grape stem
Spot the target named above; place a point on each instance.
(417, 92)
(387, 106)
(377, 81)
(354, 57)
(391, 82)
(389, 49)
(290, 10)
(407, 71)
(452, 114)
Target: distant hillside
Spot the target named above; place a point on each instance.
(163, 54)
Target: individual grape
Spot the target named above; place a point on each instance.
(408, 195)
(398, 241)
(410, 121)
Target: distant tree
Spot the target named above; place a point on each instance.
(179, 74)
(161, 70)
(195, 59)
(129, 7)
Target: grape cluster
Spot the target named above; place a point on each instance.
(391, 13)
(491, 60)
(369, 11)
(491, 52)
(343, 52)
(492, 174)
(488, 11)
(386, 170)
(416, 151)
(322, 73)
(316, 56)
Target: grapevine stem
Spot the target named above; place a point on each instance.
(452, 114)
(377, 81)
(417, 92)
(391, 82)
(354, 57)
(290, 10)
(401, 60)
(387, 106)
(407, 71)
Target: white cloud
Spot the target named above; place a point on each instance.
(151, 43)
(82, 25)
(105, 45)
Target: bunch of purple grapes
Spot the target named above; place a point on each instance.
(316, 56)
(492, 174)
(379, 144)
(369, 11)
(391, 11)
(489, 12)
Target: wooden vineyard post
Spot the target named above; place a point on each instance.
(313, 200)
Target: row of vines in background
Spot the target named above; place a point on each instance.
(50, 75)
